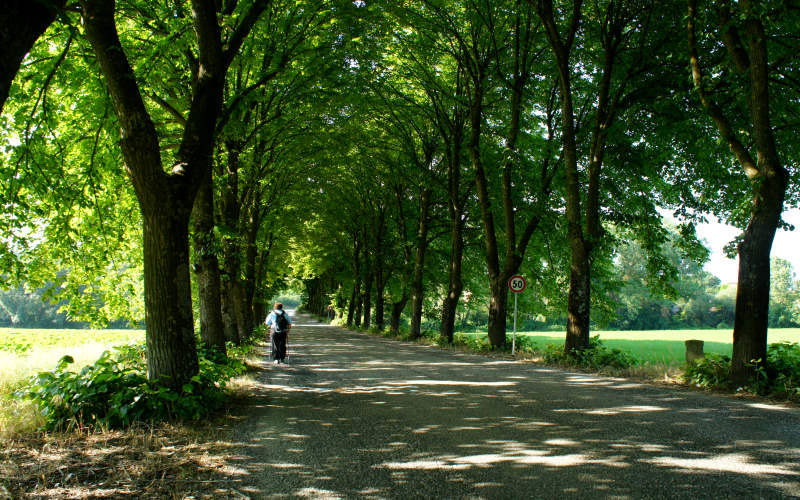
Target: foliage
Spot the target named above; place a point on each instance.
(596, 357)
(115, 392)
(779, 377)
(711, 371)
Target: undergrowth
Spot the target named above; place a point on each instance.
(779, 377)
(114, 391)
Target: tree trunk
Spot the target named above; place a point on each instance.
(166, 200)
(22, 22)
(397, 312)
(368, 280)
(752, 292)
(577, 335)
(244, 328)
(498, 307)
(417, 282)
(359, 310)
(351, 307)
(578, 300)
(768, 177)
(170, 344)
(380, 299)
(455, 281)
(207, 268)
(228, 313)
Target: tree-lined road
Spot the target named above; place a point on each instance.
(358, 416)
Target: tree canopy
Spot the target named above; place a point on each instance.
(177, 163)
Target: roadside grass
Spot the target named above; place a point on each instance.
(660, 353)
(25, 352)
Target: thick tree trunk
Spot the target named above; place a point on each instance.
(244, 321)
(455, 281)
(166, 200)
(577, 335)
(767, 175)
(228, 312)
(498, 307)
(752, 293)
(230, 211)
(578, 300)
(170, 343)
(417, 281)
(397, 312)
(22, 22)
(207, 268)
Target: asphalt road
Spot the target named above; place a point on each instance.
(353, 416)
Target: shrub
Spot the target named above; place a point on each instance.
(596, 357)
(780, 377)
(473, 342)
(783, 362)
(712, 371)
(114, 391)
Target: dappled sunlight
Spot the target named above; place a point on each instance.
(735, 462)
(612, 411)
(353, 416)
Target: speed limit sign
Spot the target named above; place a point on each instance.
(517, 283)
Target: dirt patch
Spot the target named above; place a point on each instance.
(161, 461)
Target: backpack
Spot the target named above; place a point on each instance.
(281, 323)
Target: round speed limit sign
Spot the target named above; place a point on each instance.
(516, 283)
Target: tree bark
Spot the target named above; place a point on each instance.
(368, 282)
(397, 312)
(417, 281)
(22, 22)
(577, 336)
(207, 268)
(768, 177)
(231, 258)
(166, 200)
(166, 203)
(455, 281)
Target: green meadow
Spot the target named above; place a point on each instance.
(24, 352)
(662, 347)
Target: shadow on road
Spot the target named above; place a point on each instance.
(358, 416)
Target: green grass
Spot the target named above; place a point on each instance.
(662, 347)
(24, 352)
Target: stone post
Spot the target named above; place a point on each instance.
(694, 350)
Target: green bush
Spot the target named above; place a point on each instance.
(476, 343)
(114, 391)
(714, 370)
(780, 377)
(783, 364)
(596, 357)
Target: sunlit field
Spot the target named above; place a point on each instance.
(24, 352)
(663, 347)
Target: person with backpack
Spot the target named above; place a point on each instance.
(280, 323)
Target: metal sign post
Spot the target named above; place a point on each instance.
(516, 284)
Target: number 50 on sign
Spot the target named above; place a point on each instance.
(517, 283)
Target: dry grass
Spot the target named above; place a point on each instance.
(162, 461)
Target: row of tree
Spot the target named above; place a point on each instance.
(530, 136)
(385, 151)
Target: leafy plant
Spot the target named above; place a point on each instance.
(114, 391)
(711, 371)
(596, 357)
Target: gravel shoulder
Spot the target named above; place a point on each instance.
(354, 416)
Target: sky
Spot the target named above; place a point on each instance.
(785, 246)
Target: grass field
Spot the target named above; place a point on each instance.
(25, 352)
(664, 347)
